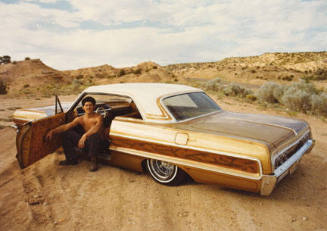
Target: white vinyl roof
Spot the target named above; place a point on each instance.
(145, 95)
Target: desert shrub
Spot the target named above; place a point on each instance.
(213, 85)
(303, 86)
(26, 85)
(236, 90)
(298, 100)
(137, 71)
(232, 89)
(251, 97)
(320, 74)
(100, 75)
(76, 84)
(303, 96)
(3, 87)
(288, 77)
(121, 72)
(270, 92)
(5, 59)
(27, 58)
(319, 104)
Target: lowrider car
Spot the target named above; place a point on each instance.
(177, 131)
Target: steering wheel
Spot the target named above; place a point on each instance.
(103, 109)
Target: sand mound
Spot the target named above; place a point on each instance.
(46, 196)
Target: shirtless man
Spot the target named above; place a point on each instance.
(91, 140)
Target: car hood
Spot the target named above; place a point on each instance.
(272, 130)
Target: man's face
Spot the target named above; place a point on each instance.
(88, 107)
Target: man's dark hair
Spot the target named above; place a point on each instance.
(88, 99)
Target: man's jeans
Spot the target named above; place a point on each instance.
(94, 144)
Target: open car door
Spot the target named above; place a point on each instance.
(30, 140)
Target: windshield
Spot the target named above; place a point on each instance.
(190, 105)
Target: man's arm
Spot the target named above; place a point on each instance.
(62, 128)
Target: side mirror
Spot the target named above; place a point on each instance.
(57, 102)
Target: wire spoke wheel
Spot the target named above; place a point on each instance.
(164, 172)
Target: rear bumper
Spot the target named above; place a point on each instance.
(268, 182)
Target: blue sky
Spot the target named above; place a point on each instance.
(79, 33)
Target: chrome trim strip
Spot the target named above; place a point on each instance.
(14, 127)
(297, 156)
(112, 133)
(200, 116)
(274, 157)
(268, 182)
(178, 161)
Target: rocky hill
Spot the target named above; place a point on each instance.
(269, 66)
(22, 76)
(34, 77)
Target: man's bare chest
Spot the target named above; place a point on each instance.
(88, 123)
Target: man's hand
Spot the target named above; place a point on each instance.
(49, 135)
(81, 142)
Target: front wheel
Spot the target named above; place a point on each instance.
(165, 173)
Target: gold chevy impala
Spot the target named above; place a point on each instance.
(174, 132)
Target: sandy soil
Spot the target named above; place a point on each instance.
(47, 196)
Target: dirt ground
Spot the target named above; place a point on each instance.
(46, 196)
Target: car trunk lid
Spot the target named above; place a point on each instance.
(272, 130)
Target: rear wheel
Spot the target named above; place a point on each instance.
(165, 173)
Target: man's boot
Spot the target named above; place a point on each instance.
(68, 162)
(94, 164)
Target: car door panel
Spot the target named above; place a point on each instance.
(31, 143)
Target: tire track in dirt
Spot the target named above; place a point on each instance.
(35, 197)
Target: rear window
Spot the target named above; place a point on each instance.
(190, 105)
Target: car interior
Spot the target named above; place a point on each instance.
(112, 104)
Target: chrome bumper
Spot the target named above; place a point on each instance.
(268, 182)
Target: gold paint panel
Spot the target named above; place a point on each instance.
(126, 161)
(164, 115)
(208, 177)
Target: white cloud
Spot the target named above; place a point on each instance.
(165, 32)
